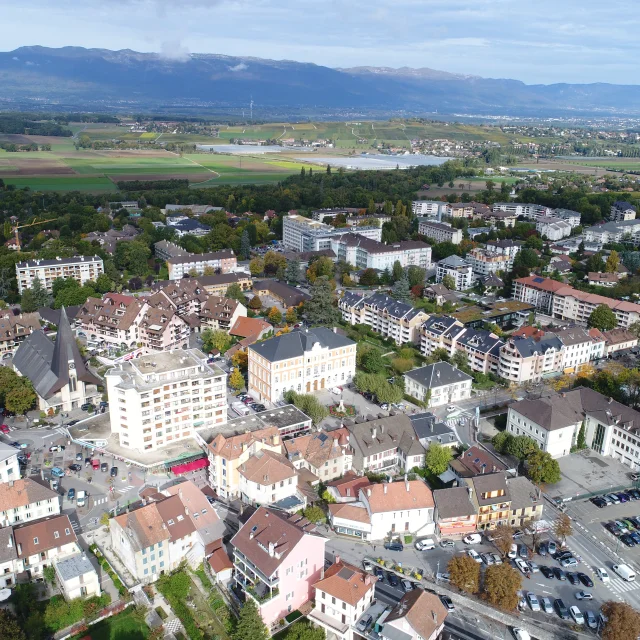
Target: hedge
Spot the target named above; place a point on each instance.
(60, 614)
(122, 590)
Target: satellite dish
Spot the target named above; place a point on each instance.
(5, 594)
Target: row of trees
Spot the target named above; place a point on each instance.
(540, 467)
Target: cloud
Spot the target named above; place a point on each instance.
(239, 67)
(15, 58)
(174, 50)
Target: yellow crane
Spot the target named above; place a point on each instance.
(31, 224)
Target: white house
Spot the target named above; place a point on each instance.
(26, 500)
(419, 615)
(9, 466)
(460, 270)
(553, 228)
(438, 384)
(77, 577)
(267, 477)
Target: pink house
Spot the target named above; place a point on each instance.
(277, 558)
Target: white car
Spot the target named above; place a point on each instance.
(442, 576)
(451, 408)
(513, 553)
(521, 634)
(475, 555)
(576, 614)
(534, 603)
(601, 572)
(425, 545)
(546, 604)
(523, 566)
(533, 566)
(336, 390)
(474, 538)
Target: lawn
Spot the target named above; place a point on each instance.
(123, 626)
(62, 183)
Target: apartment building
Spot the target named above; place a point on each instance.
(456, 516)
(277, 559)
(184, 226)
(460, 270)
(524, 209)
(342, 596)
(228, 453)
(266, 478)
(439, 231)
(420, 615)
(302, 360)
(537, 291)
(223, 261)
(41, 543)
(508, 248)
(617, 340)
(186, 297)
(165, 250)
(221, 313)
(527, 504)
(490, 496)
(486, 263)
(115, 319)
(23, 500)
(304, 234)
(475, 461)
(163, 397)
(162, 329)
(438, 384)
(8, 558)
(387, 316)
(428, 208)
(614, 231)
(77, 577)
(81, 268)
(572, 217)
(325, 454)
(14, 329)
(524, 359)
(365, 253)
(553, 228)
(493, 218)
(580, 347)
(285, 294)
(9, 466)
(622, 211)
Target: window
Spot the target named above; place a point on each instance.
(35, 541)
(56, 535)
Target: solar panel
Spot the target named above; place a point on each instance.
(345, 573)
(538, 279)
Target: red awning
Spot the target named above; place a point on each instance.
(190, 466)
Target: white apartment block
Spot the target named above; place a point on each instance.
(365, 253)
(387, 316)
(524, 359)
(429, 208)
(508, 248)
(485, 263)
(304, 234)
(223, 261)
(77, 577)
(460, 270)
(572, 217)
(439, 231)
(576, 306)
(23, 500)
(9, 466)
(622, 211)
(527, 210)
(580, 347)
(82, 269)
(266, 478)
(163, 397)
(303, 361)
(553, 228)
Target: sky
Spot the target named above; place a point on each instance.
(536, 41)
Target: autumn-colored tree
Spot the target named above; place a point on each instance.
(613, 262)
(240, 359)
(623, 621)
(464, 573)
(256, 266)
(503, 538)
(292, 316)
(501, 584)
(236, 380)
(255, 303)
(275, 317)
(562, 527)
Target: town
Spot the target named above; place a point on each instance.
(411, 419)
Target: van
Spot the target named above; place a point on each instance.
(425, 545)
(473, 538)
(625, 572)
(81, 498)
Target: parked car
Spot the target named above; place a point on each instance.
(569, 562)
(601, 503)
(393, 546)
(487, 559)
(447, 602)
(4, 428)
(474, 555)
(523, 552)
(384, 406)
(591, 620)
(576, 614)
(71, 494)
(104, 467)
(542, 549)
(523, 566)
(551, 547)
(546, 604)
(407, 586)
(585, 579)
(447, 544)
(393, 579)
(445, 577)
(573, 578)
(496, 558)
(547, 572)
(517, 534)
(79, 457)
(75, 467)
(57, 472)
(425, 545)
(87, 407)
(521, 634)
(533, 601)
(114, 472)
(533, 566)
(473, 538)
(364, 622)
(559, 574)
(584, 595)
(378, 572)
(561, 609)
(614, 498)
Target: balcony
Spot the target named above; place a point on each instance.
(328, 622)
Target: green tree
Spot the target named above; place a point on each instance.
(461, 360)
(603, 318)
(581, 441)
(235, 292)
(401, 290)
(437, 458)
(49, 574)
(520, 447)
(236, 380)
(320, 309)
(38, 297)
(250, 625)
(542, 468)
(304, 631)
(256, 267)
(21, 397)
(501, 441)
(449, 282)
(27, 302)
(292, 272)
(245, 245)
(397, 272)
(104, 284)
(438, 355)
(314, 514)
(524, 262)
(416, 275)
(309, 404)
(9, 627)
(255, 303)
(369, 277)
(215, 339)
(613, 262)
(373, 362)
(323, 266)
(501, 585)
(274, 261)
(464, 573)
(594, 263)
(275, 317)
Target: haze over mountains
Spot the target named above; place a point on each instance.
(82, 77)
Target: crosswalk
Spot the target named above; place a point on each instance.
(126, 489)
(97, 501)
(75, 526)
(617, 585)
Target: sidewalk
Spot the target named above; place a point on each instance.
(102, 539)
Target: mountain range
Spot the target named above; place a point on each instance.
(83, 77)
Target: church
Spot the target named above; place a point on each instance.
(58, 373)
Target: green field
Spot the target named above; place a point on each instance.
(91, 184)
(123, 626)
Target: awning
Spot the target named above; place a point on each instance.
(447, 476)
(190, 466)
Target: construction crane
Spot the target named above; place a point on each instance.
(31, 224)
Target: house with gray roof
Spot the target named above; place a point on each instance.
(77, 577)
(526, 501)
(8, 558)
(429, 429)
(460, 270)
(387, 316)
(455, 514)
(438, 384)
(56, 369)
(385, 445)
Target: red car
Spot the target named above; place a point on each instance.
(4, 428)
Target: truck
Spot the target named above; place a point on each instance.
(81, 499)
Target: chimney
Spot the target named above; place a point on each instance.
(406, 484)
(368, 493)
(272, 549)
(336, 559)
(367, 579)
(610, 400)
(10, 541)
(435, 617)
(384, 487)
(470, 490)
(348, 491)
(335, 329)
(373, 432)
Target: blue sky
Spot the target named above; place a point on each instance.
(536, 41)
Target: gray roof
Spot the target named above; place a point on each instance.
(439, 374)
(522, 491)
(291, 296)
(47, 364)
(53, 315)
(575, 335)
(390, 432)
(429, 428)
(225, 254)
(489, 483)
(481, 340)
(7, 451)
(454, 262)
(503, 244)
(623, 205)
(393, 307)
(453, 503)
(551, 412)
(528, 347)
(443, 325)
(393, 633)
(297, 343)
(58, 261)
(492, 280)
(74, 567)
(7, 545)
(437, 225)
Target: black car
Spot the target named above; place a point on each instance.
(447, 602)
(599, 502)
(72, 422)
(114, 472)
(547, 572)
(75, 467)
(573, 578)
(393, 546)
(628, 540)
(393, 579)
(562, 555)
(559, 574)
(104, 467)
(585, 579)
(561, 609)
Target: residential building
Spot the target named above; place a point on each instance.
(553, 228)
(524, 359)
(8, 558)
(489, 493)
(611, 232)
(526, 502)
(365, 253)
(77, 577)
(221, 313)
(419, 615)
(114, 320)
(165, 250)
(385, 445)
(504, 218)
(228, 453)
(524, 209)
(223, 261)
(599, 279)
(277, 559)
(58, 373)
(196, 209)
(81, 268)
(347, 488)
(184, 226)
(41, 543)
(475, 461)
(304, 257)
(326, 455)
(440, 294)
(304, 234)
(580, 347)
(186, 297)
(438, 384)
(163, 397)
(129, 205)
(249, 330)
(537, 291)
(9, 466)
(108, 240)
(485, 263)
(387, 316)
(217, 285)
(302, 360)
(576, 306)
(506, 314)
(622, 211)
(460, 270)
(572, 217)
(456, 516)
(266, 478)
(14, 329)
(618, 340)
(429, 208)
(342, 596)
(430, 430)
(439, 231)
(475, 210)
(350, 519)
(23, 500)
(283, 293)
(162, 329)
(508, 248)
